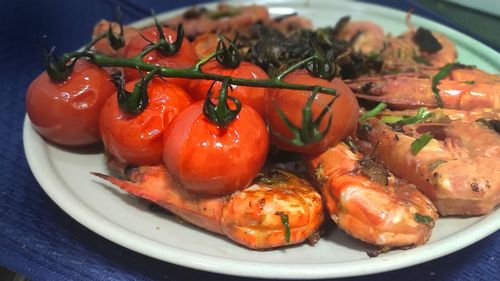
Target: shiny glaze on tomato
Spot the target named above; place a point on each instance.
(138, 139)
(67, 113)
(209, 159)
(345, 112)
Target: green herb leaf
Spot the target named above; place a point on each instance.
(420, 116)
(443, 72)
(470, 82)
(284, 221)
(381, 106)
(434, 164)
(390, 119)
(420, 143)
(422, 218)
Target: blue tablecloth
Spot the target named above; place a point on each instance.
(40, 241)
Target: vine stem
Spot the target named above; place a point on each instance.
(196, 73)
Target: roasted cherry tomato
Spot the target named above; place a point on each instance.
(251, 96)
(67, 113)
(209, 159)
(345, 112)
(138, 139)
(184, 58)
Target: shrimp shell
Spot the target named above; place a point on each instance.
(251, 217)
(383, 215)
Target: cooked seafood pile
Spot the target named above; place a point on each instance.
(405, 135)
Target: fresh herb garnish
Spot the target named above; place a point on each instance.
(381, 106)
(434, 164)
(391, 119)
(284, 221)
(420, 143)
(443, 72)
(422, 218)
(470, 82)
(420, 116)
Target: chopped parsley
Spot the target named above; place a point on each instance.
(420, 143)
(284, 221)
(422, 218)
(434, 164)
(371, 113)
(443, 72)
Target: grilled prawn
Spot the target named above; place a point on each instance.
(278, 210)
(368, 203)
(458, 169)
(465, 88)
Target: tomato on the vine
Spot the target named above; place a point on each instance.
(345, 112)
(209, 159)
(67, 112)
(252, 96)
(138, 139)
(184, 58)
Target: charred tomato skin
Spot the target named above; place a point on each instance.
(212, 160)
(138, 139)
(184, 58)
(251, 96)
(345, 112)
(67, 113)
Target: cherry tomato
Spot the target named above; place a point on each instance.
(138, 139)
(252, 96)
(345, 112)
(67, 113)
(213, 160)
(184, 58)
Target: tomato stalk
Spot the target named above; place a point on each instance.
(221, 113)
(135, 102)
(228, 57)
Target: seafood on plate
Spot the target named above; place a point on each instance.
(279, 209)
(368, 202)
(453, 161)
(463, 88)
(186, 88)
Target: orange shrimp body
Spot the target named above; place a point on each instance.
(465, 89)
(252, 217)
(458, 169)
(384, 215)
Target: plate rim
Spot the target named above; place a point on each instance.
(122, 236)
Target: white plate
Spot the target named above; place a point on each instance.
(125, 220)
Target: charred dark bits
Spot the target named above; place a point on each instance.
(426, 41)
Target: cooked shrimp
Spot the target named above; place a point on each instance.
(370, 204)
(405, 52)
(465, 88)
(458, 169)
(277, 210)
(225, 19)
(367, 37)
(103, 46)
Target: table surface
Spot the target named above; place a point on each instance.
(40, 241)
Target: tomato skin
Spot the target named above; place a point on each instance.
(345, 112)
(211, 160)
(138, 139)
(184, 58)
(67, 113)
(252, 96)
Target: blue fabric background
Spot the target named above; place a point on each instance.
(40, 241)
